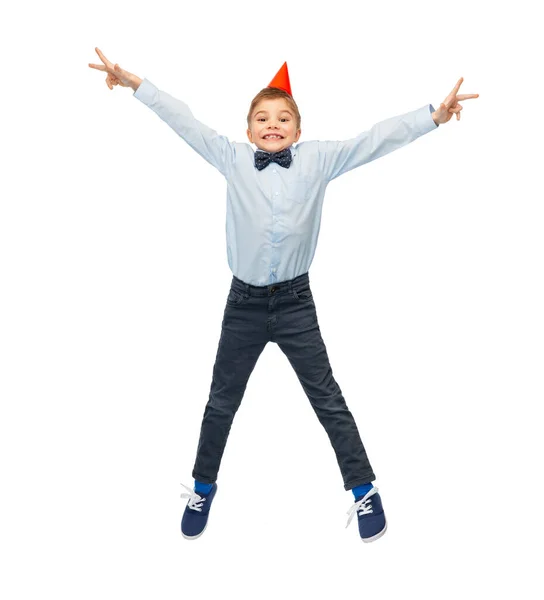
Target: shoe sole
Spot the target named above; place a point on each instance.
(377, 536)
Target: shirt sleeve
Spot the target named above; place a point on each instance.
(215, 148)
(338, 157)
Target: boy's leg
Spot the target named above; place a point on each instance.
(243, 338)
(298, 335)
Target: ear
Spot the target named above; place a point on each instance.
(298, 135)
(250, 137)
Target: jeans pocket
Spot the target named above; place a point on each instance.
(303, 294)
(236, 298)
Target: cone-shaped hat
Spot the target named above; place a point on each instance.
(281, 79)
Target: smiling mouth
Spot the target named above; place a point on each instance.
(272, 137)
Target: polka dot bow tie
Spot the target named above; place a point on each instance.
(263, 159)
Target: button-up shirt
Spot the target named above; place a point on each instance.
(274, 215)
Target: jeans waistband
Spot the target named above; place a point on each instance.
(282, 287)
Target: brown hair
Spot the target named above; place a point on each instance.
(271, 92)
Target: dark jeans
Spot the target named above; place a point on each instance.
(283, 313)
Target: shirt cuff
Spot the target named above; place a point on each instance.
(145, 92)
(431, 110)
(424, 119)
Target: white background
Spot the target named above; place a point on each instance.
(428, 283)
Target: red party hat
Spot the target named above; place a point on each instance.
(281, 79)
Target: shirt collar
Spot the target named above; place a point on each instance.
(293, 150)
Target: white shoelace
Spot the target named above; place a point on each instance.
(363, 506)
(195, 501)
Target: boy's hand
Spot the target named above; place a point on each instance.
(116, 75)
(451, 105)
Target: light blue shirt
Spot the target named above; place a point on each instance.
(274, 215)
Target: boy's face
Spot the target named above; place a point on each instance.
(273, 117)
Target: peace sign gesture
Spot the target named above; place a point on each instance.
(451, 105)
(116, 75)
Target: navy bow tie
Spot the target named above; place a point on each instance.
(263, 159)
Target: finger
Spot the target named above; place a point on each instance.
(108, 82)
(102, 57)
(467, 96)
(450, 100)
(99, 67)
(453, 94)
(457, 86)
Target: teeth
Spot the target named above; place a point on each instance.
(269, 137)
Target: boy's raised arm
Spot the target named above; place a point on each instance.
(338, 157)
(215, 148)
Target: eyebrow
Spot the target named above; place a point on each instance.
(281, 111)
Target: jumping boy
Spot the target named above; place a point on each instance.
(274, 203)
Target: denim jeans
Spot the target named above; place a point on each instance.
(283, 313)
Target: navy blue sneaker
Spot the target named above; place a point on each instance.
(372, 522)
(195, 517)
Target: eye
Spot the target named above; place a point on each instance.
(284, 119)
(261, 119)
